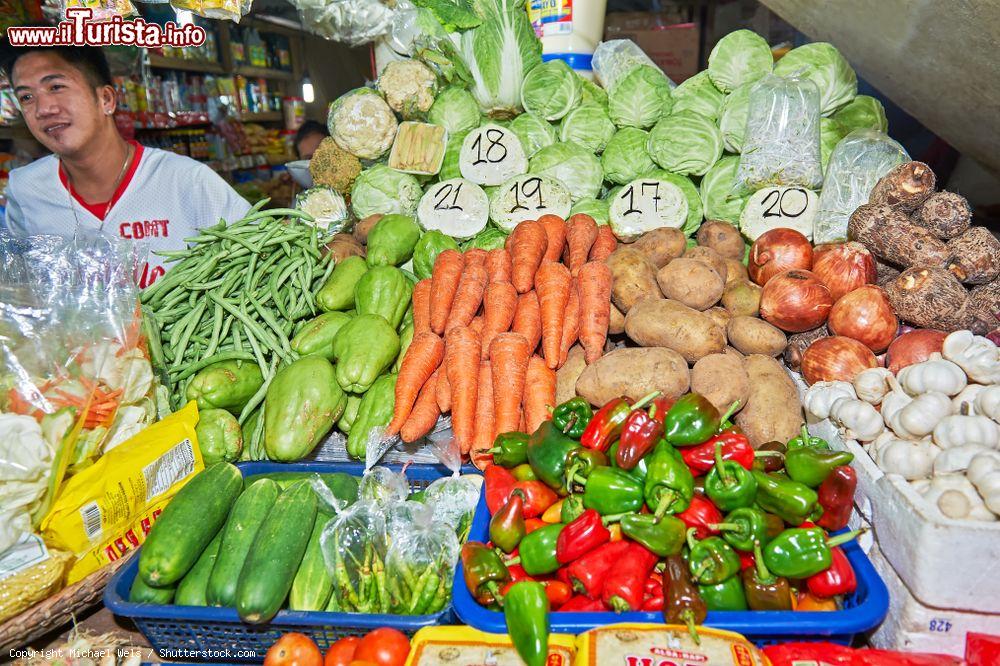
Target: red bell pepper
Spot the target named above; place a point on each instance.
(608, 421)
(746, 560)
(700, 514)
(537, 497)
(652, 600)
(517, 573)
(562, 574)
(838, 579)
(499, 484)
(625, 584)
(581, 536)
(640, 432)
(588, 573)
(558, 593)
(582, 604)
(836, 496)
(735, 446)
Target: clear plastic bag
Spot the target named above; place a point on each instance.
(353, 22)
(354, 550)
(383, 487)
(615, 59)
(856, 165)
(781, 146)
(454, 499)
(402, 517)
(419, 567)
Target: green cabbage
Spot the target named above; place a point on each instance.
(717, 196)
(380, 189)
(863, 112)
(551, 90)
(822, 64)
(573, 165)
(534, 132)
(625, 157)
(591, 93)
(450, 167)
(695, 210)
(733, 121)
(490, 238)
(698, 94)
(589, 126)
(596, 208)
(456, 110)
(685, 143)
(640, 99)
(830, 134)
(740, 57)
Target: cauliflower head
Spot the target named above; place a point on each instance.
(333, 166)
(362, 123)
(409, 87)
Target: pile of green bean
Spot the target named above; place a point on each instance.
(236, 293)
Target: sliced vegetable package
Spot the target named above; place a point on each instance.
(354, 549)
(419, 567)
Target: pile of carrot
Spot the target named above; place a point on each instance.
(491, 329)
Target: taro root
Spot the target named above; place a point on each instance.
(362, 228)
(974, 257)
(799, 342)
(944, 214)
(932, 298)
(893, 237)
(885, 273)
(986, 303)
(905, 187)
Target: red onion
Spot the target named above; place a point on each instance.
(778, 250)
(913, 347)
(795, 301)
(843, 267)
(866, 316)
(994, 336)
(836, 359)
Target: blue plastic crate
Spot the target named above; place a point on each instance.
(218, 634)
(862, 611)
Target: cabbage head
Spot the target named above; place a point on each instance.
(863, 112)
(551, 90)
(490, 238)
(733, 121)
(384, 190)
(456, 110)
(740, 57)
(641, 98)
(830, 134)
(571, 164)
(717, 191)
(822, 63)
(625, 157)
(596, 208)
(685, 143)
(591, 93)
(695, 210)
(698, 94)
(450, 167)
(534, 132)
(589, 126)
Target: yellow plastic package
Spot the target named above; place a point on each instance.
(447, 646)
(106, 510)
(633, 644)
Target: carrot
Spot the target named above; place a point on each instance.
(499, 305)
(553, 284)
(555, 233)
(571, 322)
(422, 306)
(498, 265)
(469, 296)
(442, 392)
(425, 412)
(475, 256)
(462, 367)
(604, 244)
(482, 438)
(477, 326)
(422, 358)
(444, 284)
(580, 236)
(527, 320)
(509, 353)
(595, 307)
(539, 393)
(527, 247)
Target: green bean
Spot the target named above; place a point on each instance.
(270, 321)
(213, 343)
(251, 328)
(258, 397)
(189, 330)
(258, 354)
(237, 336)
(189, 369)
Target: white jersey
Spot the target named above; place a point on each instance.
(163, 199)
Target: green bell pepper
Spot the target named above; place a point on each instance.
(219, 436)
(612, 491)
(225, 385)
(812, 465)
(548, 449)
(572, 508)
(669, 484)
(510, 449)
(375, 411)
(729, 484)
(802, 552)
(807, 440)
(430, 245)
(538, 550)
(581, 462)
(526, 611)
(663, 537)
(725, 596)
(365, 347)
(350, 413)
(316, 335)
(572, 416)
(791, 501)
(743, 526)
(483, 571)
(691, 420)
(337, 293)
(384, 291)
(711, 560)
(392, 240)
(523, 472)
(302, 403)
(640, 471)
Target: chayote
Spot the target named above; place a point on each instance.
(365, 347)
(219, 436)
(225, 385)
(430, 245)
(375, 411)
(405, 338)
(391, 240)
(316, 336)
(385, 291)
(337, 293)
(303, 402)
(350, 413)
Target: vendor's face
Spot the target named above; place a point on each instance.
(309, 144)
(61, 107)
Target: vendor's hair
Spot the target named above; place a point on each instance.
(310, 127)
(89, 60)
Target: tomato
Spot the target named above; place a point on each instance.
(294, 649)
(341, 653)
(384, 647)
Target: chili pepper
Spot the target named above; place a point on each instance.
(836, 579)
(582, 604)
(537, 497)
(711, 560)
(807, 602)
(812, 466)
(538, 550)
(764, 590)
(572, 507)
(790, 500)
(701, 515)
(729, 485)
(607, 423)
(526, 610)
(612, 491)
(804, 439)
(669, 485)
(507, 524)
(553, 514)
(587, 574)
(725, 596)
(581, 536)
(640, 471)
(523, 472)
(802, 552)
(744, 526)
(484, 571)
(572, 417)
(735, 447)
(663, 536)
(623, 589)
(640, 433)
(499, 483)
(581, 462)
(681, 602)
(836, 496)
(510, 449)
(557, 592)
(692, 420)
(548, 449)
(770, 456)
(532, 524)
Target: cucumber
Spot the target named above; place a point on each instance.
(195, 514)
(191, 590)
(276, 554)
(343, 486)
(237, 536)
(313, 583)
(144, 594)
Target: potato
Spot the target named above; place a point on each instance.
(720, 316)
(666, 323)
(633, 278)
(342, 246)
(735, 270)
(773, 411)
(722, 379)
(691, 282)
(722, 237)
(362, 228)
(661, 246)
(709, 256)
(617, 323)
(742, 298)
(734, 352)
(755, 336)
(634, 372)
(567, 375)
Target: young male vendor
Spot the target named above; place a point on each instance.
(95, 179)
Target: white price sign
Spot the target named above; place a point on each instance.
(774, 207)
(491, 155)
(646, 204)
(528, 197)
(454, 207)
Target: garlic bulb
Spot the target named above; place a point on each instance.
(975, 354)
(820, 397)
(934, 374)
(957, 459)
(920, 416)
(910, 459)
(872, 384)
(984, 473)
(859, 420)
(960, 430)
(955, 497)
(988, 402)
(893, 402)
(966, 397)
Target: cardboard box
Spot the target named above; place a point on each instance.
(667, 40)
